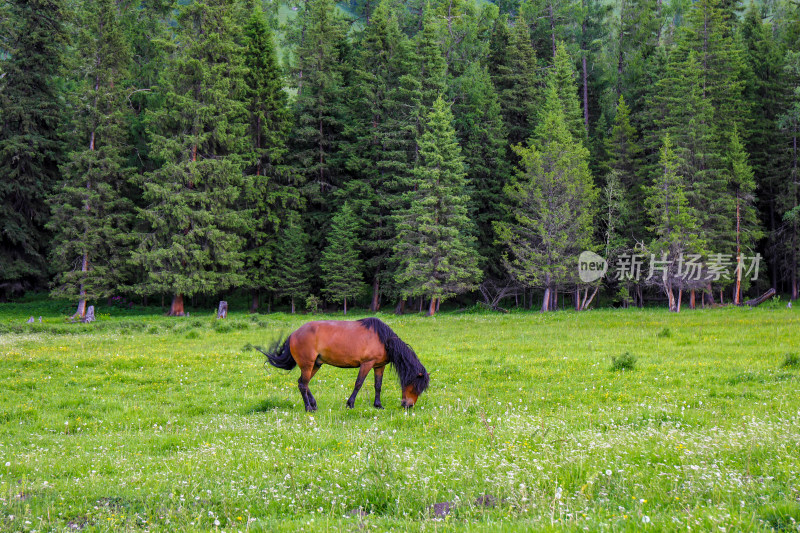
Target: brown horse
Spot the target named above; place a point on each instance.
(366, 344)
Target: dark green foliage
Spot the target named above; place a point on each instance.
(512, 66)
(552, 204)
(435, 251)
(340, 264)
(30, 148)
(192, 242)
(268, 189)
(318, 70)
(482, 136)
(91, 216)
(291, 268)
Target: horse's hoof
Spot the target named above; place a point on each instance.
(349, 405)
(311, 409)
(378, 406)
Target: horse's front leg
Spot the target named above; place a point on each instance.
(378, 382)
(363, 370)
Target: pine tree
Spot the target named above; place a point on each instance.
(766, 89)
(743, 186)
(379, 142)
(341, 266)
(674, 223)
(435, 250)
(563, 75)
(292, 271)
(552, 204)
(268, 190)
(482, 137)
(689, 121)
(512, 65)
(30, 148)
(318, 71)
(91, 216)
(789, 196)
(193, 241)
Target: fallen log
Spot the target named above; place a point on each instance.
(761, 299)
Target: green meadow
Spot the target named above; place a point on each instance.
(607, 420)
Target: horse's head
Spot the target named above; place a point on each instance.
(414, 388)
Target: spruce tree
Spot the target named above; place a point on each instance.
(552, 203)
(378, 142)
(268, 188)
(31, 116)
(563, 75)
(673, 223)
(512, 65)
(482, 137)
(341, 265)
(192, 239)
(746, 228)
(292, 273)
(318, 69)
(435, 250)
(91, 215)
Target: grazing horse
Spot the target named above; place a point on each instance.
(366, 344)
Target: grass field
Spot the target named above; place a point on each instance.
(144, 422)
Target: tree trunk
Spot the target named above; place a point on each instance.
(432, 308)
(400, 308)
(345, 305)
(176, 308)
(376, 295)
(692, 299)
(710, 294)
(254, 302)
(737, 289)
(680, 298)
(292, 304)
(546, 300)
(585, 88)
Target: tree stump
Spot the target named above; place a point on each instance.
(222, 311)
(89, 315)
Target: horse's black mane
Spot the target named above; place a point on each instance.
(405, 361)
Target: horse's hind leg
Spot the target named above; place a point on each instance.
(363, 370)
(306, 373)
(378, 382)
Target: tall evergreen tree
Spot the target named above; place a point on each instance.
(766, 89)
(268, 190)
(318, 70)
(379, 141)
(674, 224)
(563, 75)
(746, 226)
(482, 137)
(31, 115)
(552, 203)
(513, 68)
(91, 216)
(435, 249)
(341, 266)
(192, 238)
(291, 268)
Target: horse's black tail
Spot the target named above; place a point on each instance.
(279, 355)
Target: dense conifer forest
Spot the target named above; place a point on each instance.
(398, 154)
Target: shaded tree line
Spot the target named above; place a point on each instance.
(404, 154)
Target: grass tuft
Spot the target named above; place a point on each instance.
(792, 360)
(624, 362)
